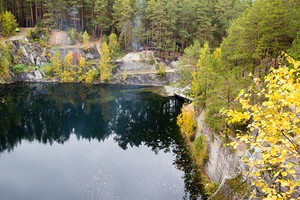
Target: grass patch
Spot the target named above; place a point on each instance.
(19, 68)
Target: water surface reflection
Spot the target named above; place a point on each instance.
(79, 117)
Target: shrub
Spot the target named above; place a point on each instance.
(211, 188)
(39, 34)
(186, 122)
(151, 60)
(124, 76)
(8, 24)
(19, 68)
(161, 72)
(4, 60)
(73, 36)
(201, 150)
(157, 66)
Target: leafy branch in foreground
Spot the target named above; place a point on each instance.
(273, 131)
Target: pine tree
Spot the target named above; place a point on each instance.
(122, 15)
(102, 18)
(86, 39)
(114, 47)
(201, 77)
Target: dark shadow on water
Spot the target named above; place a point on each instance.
(51, 112)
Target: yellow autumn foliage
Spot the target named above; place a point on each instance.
(105, 64)
(186, 122)
(274, 131)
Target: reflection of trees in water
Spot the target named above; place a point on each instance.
(51, 112)
(192, 174)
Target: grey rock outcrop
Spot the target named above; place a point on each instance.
(91, 53)
(27, 53)
(223, 163)
(34, 76)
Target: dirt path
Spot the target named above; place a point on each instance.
(18, 36)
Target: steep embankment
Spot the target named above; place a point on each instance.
(224, 165)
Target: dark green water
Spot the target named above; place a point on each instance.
(74, 141)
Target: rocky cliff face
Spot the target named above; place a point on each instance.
(224, 165)
(34, 76)
(27, 53)
(33, 54)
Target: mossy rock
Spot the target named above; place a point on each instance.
(232, 189)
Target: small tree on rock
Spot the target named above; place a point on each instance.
(86, 39)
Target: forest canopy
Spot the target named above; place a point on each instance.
(166, 25)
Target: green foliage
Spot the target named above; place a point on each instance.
(151, 60)
(8, 24)
(166, 25)
(201, 78)
(211, 187)
(39, 34)
(103, 18)
(76, 36)
(19, 68)
(114, 47)
(201, 151)
(124, 76)
(214, 84)
(73, 36)
(188, 63)
(294, 51)
(122, 15)
(160, 70)
(261, 34)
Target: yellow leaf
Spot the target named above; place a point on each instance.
(284, 174)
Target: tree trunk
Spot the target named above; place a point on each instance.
(31, 12)
(82, 17)
(36, 11)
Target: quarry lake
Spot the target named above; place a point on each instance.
(77, 141)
